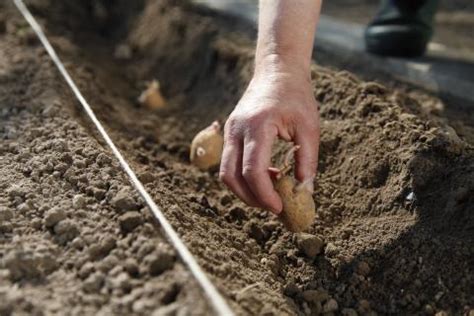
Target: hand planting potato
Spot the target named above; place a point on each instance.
(299, 210)
(152, 97)
(206, 147)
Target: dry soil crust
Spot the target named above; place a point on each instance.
(395, 188)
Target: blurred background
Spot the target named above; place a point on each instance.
(447, 68)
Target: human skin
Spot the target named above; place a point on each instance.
(278, 102)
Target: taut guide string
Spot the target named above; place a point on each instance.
(216, 300)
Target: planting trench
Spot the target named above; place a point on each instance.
(394, 193)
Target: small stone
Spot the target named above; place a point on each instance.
(22, 264)
(146, 177)
(78, 201)
(226, 199)
(5, 214)
(94, 282)
(310, 245)
(99, 194)
(23, 208)
(53, 217)
(121, 281)
(103, 160)
(16, 191)
(115, 271)
(291, 289)
(270, 226)
(102, 249)
(6, 228)
(159, 261)
(36, 223)
(236, 214)
(78, 243)
(253, 229)
(331, 250)
(66, 230)
(429, 310)
(144, 249)
(108, 263)
(48, 262)
(330, 306)
(314, 296)
(123, 201)
(86, 270)
(346, 233)
(363, 268)
(373, 87)
(129, 221)
(123, 52)
(272, 263)
(108, 243)
(131, 266)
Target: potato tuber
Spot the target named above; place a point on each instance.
(299, 210)
(206, 147)
(152, 97)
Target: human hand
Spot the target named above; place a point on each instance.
(278, 102)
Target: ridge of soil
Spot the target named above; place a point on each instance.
(394, 192)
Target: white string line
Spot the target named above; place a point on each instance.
(220, 305)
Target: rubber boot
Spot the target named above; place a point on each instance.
(401, 28)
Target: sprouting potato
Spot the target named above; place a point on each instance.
(299, 210)
(152, 97)
(206, 147)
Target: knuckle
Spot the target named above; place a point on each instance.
(230, 129)
(251, 174)
(247, 172)
(259, 118)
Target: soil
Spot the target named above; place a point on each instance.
(394, 232)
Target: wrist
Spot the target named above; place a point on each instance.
(274, 65)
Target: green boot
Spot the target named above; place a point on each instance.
(401, 28)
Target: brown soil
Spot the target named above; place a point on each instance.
(395, 192)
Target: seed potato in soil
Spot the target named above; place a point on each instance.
(394, 195)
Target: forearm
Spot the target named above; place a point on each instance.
(286, 33)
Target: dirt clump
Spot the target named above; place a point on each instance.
(310, 245)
